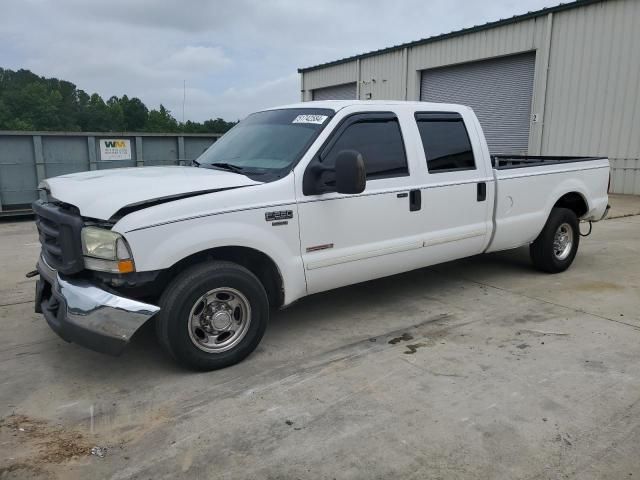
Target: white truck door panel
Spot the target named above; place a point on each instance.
(347, 239)
(457, 199)
(350, 239)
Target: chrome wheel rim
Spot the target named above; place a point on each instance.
(563, 241)
(219, 320)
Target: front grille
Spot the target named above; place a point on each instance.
(59, 227)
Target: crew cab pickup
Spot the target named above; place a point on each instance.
(293, 201)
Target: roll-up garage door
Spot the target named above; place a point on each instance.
(499, 91)
(346, 91)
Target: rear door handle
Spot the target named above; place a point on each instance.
(482, 191)
(415, 200)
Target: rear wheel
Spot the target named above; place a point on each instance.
(556, 246)
(212, 315)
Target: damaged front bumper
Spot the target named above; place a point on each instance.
(82, 313)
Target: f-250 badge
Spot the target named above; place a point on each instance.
(279, 218)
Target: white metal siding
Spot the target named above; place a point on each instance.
(593, 92)
(625, 175)
(328, 76)
(348, 91)
(382, 76)
(499, 91)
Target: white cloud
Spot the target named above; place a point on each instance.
(233, 103)
(271, 93)
(196, 59)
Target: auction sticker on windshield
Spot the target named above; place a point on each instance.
(319, 119)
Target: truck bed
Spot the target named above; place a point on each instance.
(527, 188)
(504, 162)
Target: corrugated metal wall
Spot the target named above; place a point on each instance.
(625, 175)
(593, 92)
(26, 158)
(382, 76)
(328, 77)
(586, 95)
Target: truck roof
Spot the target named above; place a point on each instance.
(340, 104)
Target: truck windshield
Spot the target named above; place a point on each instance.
(267, 144)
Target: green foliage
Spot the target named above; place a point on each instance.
(30, 102)
(135, 114)
(161, 121)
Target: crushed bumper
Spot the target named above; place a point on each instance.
(82, 313)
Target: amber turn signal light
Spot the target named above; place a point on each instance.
(125, 266)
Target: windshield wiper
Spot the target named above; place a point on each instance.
(227, 166)
(195, 162)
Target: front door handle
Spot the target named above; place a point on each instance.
(482, 191)
(415, 200)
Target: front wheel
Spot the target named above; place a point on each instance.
(556, 246)
(212, 315)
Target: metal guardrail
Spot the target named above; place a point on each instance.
(26, 158)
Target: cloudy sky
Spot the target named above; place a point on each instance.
(236, 56)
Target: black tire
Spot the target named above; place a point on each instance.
(543, 253)
(181, 295)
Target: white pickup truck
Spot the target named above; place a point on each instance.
(293, 201)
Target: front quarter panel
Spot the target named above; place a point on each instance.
(171, 232)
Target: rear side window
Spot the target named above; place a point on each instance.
(446, 142)
(378, 140)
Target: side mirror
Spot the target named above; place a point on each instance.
(351, 176)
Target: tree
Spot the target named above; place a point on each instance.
(161, 121)
(135, 114)
(30, 102)
(116, 114)
(193, 127)
(69, 107)
(98, 118)
(5, 114)
(37, 106)
(218, 125)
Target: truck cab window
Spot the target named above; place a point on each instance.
(445, 141)
(379, 141)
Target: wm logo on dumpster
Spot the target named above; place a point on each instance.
(115, 144)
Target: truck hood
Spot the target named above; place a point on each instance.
(101, 194)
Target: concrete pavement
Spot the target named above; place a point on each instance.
(480, 368)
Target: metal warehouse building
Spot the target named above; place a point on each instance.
(559, 81)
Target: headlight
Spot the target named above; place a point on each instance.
(106, 251)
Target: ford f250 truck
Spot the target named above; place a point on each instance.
(293, 201)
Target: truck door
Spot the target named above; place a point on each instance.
(347, 239)
(457, 198)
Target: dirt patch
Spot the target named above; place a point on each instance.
(30, 443)
(25, 471)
